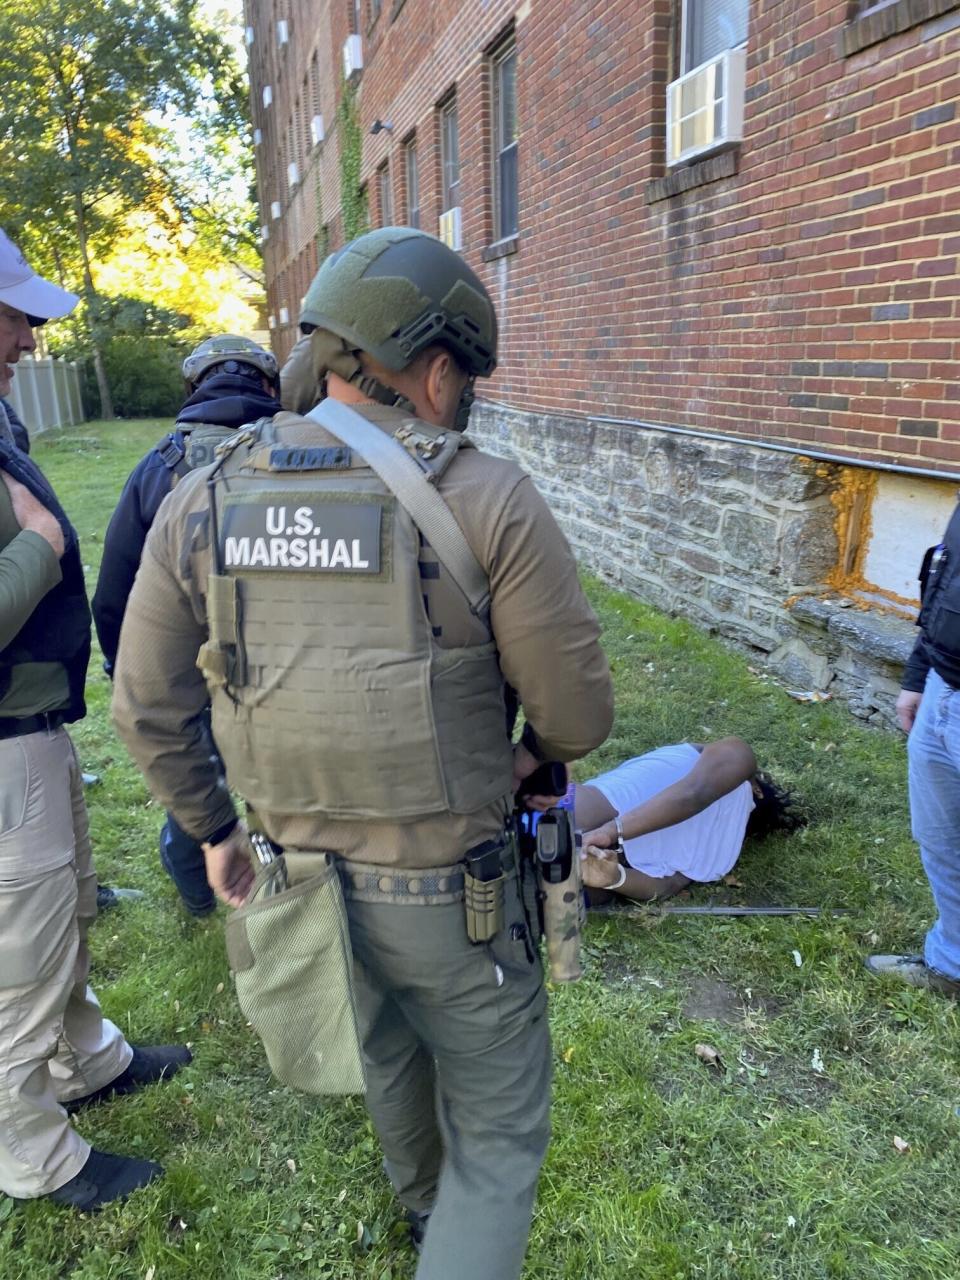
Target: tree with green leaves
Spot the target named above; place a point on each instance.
(90, 90)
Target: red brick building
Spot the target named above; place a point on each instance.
(729, 349)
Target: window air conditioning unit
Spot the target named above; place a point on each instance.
(267, 95)
(257, 137)
(352, 56)
(316, 130)
(271, 322)
(293, 173)
(264, 231)
(275, 209)
(705, 107)
(284, 315)
(283, 31)
(451, 228)
(249, 36)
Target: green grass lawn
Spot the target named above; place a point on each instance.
(661, 1167)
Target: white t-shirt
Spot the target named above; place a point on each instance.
(703, 847)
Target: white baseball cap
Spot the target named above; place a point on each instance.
(22, 289)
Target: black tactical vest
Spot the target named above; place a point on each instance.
(940, 611)
(58, 630)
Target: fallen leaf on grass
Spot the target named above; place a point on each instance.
(734, 882)
(816, 1062)
(900, 1145)
(292, 1166)
(151, 1272)
(797, 958)
(708, 1054)
(568, 1053)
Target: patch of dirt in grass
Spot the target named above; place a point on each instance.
(794, 1082)
(712, 1000)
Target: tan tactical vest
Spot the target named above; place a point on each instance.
(329, 692)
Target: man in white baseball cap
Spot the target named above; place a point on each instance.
(26, 301)
(57, 1051)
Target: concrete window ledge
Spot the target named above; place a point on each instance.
(882, 636)
(698, 174)
(502, 249)
(890, 20)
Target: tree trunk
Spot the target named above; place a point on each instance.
(99, 369)
(103, 386)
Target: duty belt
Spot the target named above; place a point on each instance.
(19, 727)
(433, 886)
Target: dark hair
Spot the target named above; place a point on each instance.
(774, 810)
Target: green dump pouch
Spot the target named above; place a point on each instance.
(292, 965)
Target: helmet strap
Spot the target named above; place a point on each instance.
(467, 397)
(332, 355)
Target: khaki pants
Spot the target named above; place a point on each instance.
(55, 1044)
(457, 1059)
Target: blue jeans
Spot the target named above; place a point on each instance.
(933, 750)
(183, 861)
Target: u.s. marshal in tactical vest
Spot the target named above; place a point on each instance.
(354, 590)
(231, 381)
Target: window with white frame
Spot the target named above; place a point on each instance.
(386, 195)
(709, 27)
(504, 132)
(412, 175)
(705, 103)
(449, 155)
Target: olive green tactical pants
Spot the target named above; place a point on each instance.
(457, 1057)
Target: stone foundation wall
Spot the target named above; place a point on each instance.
(740, 540)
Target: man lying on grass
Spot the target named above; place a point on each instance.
(675, 816)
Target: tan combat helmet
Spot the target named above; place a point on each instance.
(231, 354)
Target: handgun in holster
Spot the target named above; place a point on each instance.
(483, 881)
(549, 779)
(558, 864)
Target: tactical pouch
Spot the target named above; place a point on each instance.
(483, 879)
(221, 659)
(483, 907)
(293, 969)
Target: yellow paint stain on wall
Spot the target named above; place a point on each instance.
(853, 495)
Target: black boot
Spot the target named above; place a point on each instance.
(104, 1178)
(418, 1228)
(149, 1063)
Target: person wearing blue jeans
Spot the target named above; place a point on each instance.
(183, 862)
(928, 709)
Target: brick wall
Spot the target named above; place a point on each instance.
(806, 291)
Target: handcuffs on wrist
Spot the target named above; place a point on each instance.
(622, 868)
